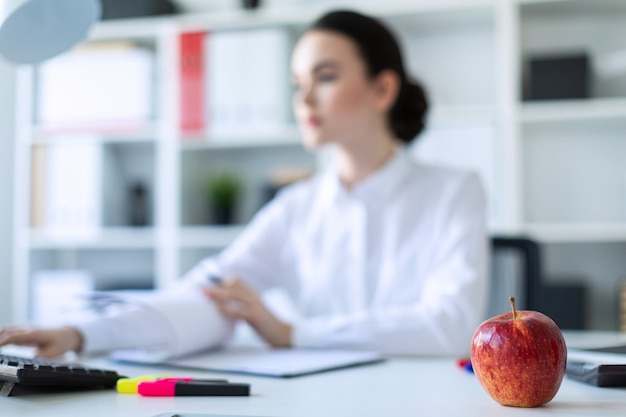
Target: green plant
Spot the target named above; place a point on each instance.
(223, 189)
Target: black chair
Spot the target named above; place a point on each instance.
(516, 271)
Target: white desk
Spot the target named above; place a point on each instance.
(399, 387)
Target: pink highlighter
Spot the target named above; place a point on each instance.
(177, 387)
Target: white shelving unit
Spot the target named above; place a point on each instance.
(470, 55)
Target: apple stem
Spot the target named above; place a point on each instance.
(512, 300)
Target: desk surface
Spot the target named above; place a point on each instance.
(399, 387)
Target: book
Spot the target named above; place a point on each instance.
(69, 189)
(192, 82)
(106, 88)
(622, 307)
(247, 75)
(38, 186)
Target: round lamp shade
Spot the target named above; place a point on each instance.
(40, 29)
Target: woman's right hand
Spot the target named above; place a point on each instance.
(50, 343)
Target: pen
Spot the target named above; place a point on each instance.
(215, 279)
(465, 364)
(194, 387)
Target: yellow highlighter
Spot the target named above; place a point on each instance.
(129, 385)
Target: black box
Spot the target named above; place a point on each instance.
(120, 9)
(558, 77)
(565, 304)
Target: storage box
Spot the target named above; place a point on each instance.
(558, 77)
(119, 9)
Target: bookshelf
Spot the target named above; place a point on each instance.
(470, 55)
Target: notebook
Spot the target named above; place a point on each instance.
(602, 367)
(280, 363)
(614, 355)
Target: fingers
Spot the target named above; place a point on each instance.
(14, 336)
(50, 343)
(234, 290)
(235, 299)
(237, 311)
(50, 351)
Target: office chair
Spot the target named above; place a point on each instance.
(515, 271)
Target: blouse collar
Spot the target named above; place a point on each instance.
(380, 184)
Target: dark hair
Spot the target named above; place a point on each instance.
(380, 51)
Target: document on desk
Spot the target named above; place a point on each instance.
(281, 363)
(614, 355)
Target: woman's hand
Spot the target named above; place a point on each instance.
(50, 343)
(238, 301)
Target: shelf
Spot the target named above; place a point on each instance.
(297, 15)
(461, 115)
(440, 116)
(128, 29)
(209, 237)
(280, 137)
(303, 14)
(107, 238)
(577, 232)
(573, 110)
(146, 133)
(553, 8)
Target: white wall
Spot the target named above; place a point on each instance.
(7, 93)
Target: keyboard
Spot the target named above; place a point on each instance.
(26, 375)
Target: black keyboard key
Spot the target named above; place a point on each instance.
(45, 375)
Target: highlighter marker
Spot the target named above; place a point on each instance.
(195, 387)
(129, 385)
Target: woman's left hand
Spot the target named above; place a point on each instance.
(238, 301)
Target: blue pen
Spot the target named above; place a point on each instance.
(215, 279)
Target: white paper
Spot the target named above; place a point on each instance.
(193, 321)
(265, 361)
(601, 358)
(59, 294)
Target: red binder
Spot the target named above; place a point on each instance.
(192, 82)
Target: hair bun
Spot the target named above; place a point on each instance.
(408, 116)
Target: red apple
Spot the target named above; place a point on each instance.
(519, 357)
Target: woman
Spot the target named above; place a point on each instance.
(378, 252)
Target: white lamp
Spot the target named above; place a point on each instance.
(32, 31)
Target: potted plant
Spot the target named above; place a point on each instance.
(223, 190)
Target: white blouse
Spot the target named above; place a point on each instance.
(397, 264)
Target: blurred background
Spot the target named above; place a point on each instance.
(146, 148)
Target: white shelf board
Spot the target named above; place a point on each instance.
(282, 137)
(461, 115)
(577, 232)
(209, 237)
(572, 110)
(439, 116)
(145, 28)
(301, 14)
(147, 133)
(581, 7)
(107, 238)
